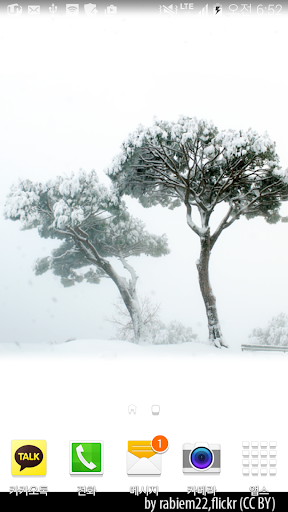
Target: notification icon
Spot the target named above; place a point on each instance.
(159, 444)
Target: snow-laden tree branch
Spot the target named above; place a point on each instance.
(275, 334)
(93, 226)
(191, 162)
(157, 332)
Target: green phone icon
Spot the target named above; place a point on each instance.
(86, 457)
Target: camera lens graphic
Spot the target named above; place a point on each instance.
(201, 458)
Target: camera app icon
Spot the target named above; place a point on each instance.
(201, 457)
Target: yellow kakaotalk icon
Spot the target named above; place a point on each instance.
(28, 457)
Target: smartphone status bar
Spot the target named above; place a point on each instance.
(126, 7)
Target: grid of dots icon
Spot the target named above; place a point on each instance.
(259, 458)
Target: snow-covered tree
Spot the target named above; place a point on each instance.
(157, 332)
(173, 333)
(191, 162)
(276, 332)
(93, 225)
(122, 320)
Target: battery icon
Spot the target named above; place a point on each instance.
(217, 9)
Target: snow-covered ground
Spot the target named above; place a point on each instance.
(109, 348)
(118, 349)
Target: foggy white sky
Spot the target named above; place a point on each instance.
(71, 91)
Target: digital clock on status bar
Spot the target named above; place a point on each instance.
(270, 9)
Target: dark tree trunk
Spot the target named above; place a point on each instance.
(126, 288)
(129, 296)
(131, 302)
(215, 335)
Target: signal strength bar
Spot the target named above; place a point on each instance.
(204, 11)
